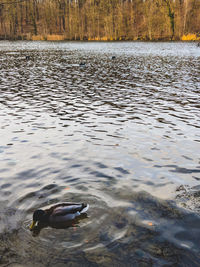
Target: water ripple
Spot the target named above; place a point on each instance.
(120, 134)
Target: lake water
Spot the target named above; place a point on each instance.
(119, 131)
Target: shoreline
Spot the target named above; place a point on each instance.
(103, 41)
(60, 37)
(188, 198)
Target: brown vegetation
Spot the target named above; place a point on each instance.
(100, 19)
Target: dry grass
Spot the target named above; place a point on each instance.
(103, 38)
(37, 38)
(55, 37)
(49, 37)
(190, 37)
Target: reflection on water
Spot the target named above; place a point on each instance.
(73, 223)
(119, 132)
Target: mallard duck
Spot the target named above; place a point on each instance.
(62, 214)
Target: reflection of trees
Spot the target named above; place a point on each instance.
(100, 19)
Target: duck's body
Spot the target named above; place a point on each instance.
(59, 215)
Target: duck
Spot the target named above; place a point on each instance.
(59, 216)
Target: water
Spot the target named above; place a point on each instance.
(119, 133)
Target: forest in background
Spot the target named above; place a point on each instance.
(100, 19)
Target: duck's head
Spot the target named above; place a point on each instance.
(38, 216)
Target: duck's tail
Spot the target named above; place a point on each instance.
(85, 207)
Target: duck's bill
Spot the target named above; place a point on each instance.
(32, 225)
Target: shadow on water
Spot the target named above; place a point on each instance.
(72, 223)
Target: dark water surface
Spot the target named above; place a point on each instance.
(119, 133)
